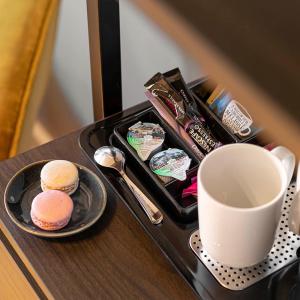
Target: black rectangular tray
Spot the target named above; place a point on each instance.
(182, 210)
(172, 236)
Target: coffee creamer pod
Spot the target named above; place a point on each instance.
(145, 138)
(171, 163)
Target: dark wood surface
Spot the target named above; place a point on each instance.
(114, 259)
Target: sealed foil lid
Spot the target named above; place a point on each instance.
(145, 138)
(170, 163)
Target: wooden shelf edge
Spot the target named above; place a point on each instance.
(41, 285)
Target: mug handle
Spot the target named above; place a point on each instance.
(288, 160)
(242, 133)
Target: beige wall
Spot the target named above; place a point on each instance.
(145, 51)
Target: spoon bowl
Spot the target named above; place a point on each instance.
(110, 157)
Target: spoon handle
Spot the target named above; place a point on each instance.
(150, 209)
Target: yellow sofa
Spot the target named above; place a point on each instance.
(27, 31)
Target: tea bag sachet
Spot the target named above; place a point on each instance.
(232, 113)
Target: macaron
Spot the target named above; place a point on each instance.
(60, 175)
(51, 210)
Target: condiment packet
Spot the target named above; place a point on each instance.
(145, 138)
(176, 80)
(183, 112)
(191, 190)
(169, 118)
(170, 163)
(232, 113)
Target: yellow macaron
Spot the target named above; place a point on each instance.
(60, 175)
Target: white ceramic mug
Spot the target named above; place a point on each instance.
(240, 193)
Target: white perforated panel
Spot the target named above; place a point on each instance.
(282, 253)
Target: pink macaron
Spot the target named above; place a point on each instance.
(51, 210)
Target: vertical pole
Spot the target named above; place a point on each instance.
(105, 56)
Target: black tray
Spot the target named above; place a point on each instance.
(182, 210)
(172, 236)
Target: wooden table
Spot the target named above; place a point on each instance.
(112, 260)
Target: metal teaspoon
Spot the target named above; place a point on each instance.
(112, 157)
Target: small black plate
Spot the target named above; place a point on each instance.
(89, 200)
